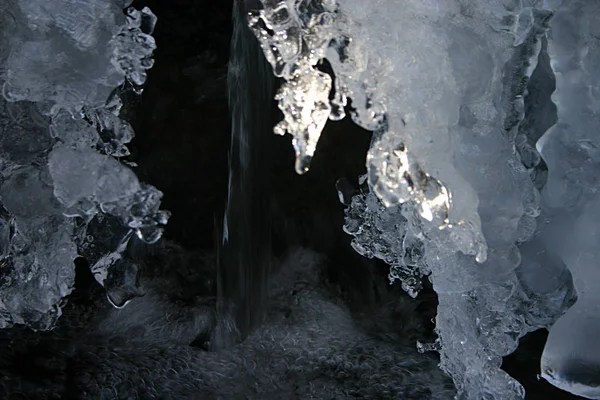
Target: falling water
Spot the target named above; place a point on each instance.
(245, 247)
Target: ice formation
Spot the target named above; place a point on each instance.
(571, 358)
(454, 176)
(476, 178)
(64, 192)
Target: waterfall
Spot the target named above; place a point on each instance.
(245, 246)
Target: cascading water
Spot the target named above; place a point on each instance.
(245, 247)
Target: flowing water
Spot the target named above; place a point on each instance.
(245, 247)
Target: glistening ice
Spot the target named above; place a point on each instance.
(463, 185)
(482, 177)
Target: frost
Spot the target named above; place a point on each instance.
(73, 53)
(37, 261)
(64, 191)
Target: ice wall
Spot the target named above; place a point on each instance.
(64, 192)
(452, 189)
(571, 358)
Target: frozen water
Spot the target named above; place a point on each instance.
(293, 44)
(464, 184)
(453, 174)
(133, 45)
(37, 250)
(571, 358)
(73, 53)
(63, 190)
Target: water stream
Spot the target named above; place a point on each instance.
(245, 247)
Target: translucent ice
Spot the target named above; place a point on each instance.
(571, 359)
(293, 44)
(452, 172)
(38, 253)
(62, 187)
(73, 53)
